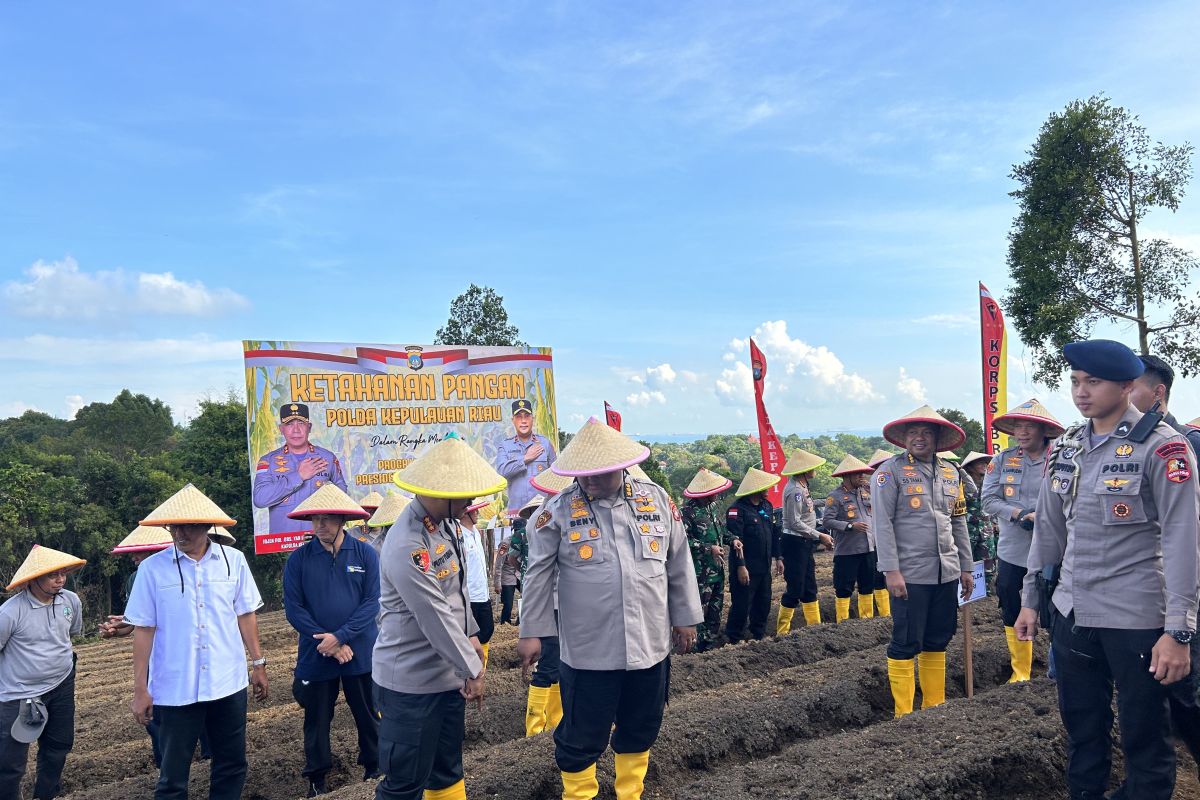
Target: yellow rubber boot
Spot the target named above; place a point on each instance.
(553, 706)
(866, 606)
(931, 668)
(783, 625)
(812, 613)
(535, 710)
(456, 792)
(883, 602)
(841, 607)
(631, 775)
(1020, 656)
(900, 676)
(485, 654)
(580, 785)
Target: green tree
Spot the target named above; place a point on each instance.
(655, 472)
(973, 429)
(1077, 255)
(477, 317)
(131, 422)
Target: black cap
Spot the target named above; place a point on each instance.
(522, 405)
(291, 411)
(1104, 359)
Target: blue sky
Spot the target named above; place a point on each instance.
(646, 184)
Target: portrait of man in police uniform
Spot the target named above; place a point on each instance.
(523, 456)
(284, 478)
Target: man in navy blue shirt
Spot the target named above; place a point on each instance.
(331, 597)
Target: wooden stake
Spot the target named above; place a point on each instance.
(967, 648)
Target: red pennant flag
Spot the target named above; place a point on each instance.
(773, 457)
(612, 417)
(994, 345)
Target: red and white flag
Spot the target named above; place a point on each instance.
(773, 457)
(612, 416)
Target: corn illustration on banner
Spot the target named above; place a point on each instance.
(355, 414)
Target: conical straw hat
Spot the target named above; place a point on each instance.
(948, 455)
(549, 482)
(329, 499)
(597, 449)
(637, 472)
(800, 462)
(706, 484)
(480, 504)
(1033, 411)
(533, 505)
(450, 469)
(42, 561)
(221, 536)
(188, 506)
(974, 456)
(756, 481)
(878, 457)
(388, 511)
(949, 437)
(144, 539)
(1194, 423)
(371, 501)
(849, 466)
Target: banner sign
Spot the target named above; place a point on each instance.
(995, 367)
(773, 457)
(354, 414)
(980, 590)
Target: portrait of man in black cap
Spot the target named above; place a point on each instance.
(284, 478)
(523, 456)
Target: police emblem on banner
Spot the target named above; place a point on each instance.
(414, 357)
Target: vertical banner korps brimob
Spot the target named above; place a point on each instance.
(994, 346)
(353, 415)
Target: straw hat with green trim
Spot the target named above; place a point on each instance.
(850, 466)
(974, 456)
(756, 481)
(188, 506)
(144, 539)
(949, 436)
(948, 455)
(801, 461)
(549, 482)
(706, 483)
(388, 511)
(1032, 411)
(450, 470)
(221, 536)
(878, 457)
(533, 505)
(42, 561)
(371, 501)
(598, 449)
(329, 499)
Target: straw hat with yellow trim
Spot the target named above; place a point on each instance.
(533, 505)
(549, 482)
(800, 462)
(371, 501)
(450, 470)
(1032, 411)
(706, 483)
(144, 539)
(949, 437)
(220, 535)
(948, 455)
(329, 499)
(188, 506)
(388, 511)
(974, 456)
(850, 466)
(42, 561)
(756, 481)
(598, 449)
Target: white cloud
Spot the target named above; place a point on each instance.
(947, 320)
(646, 398)
(910, 387)
(688, 376)
(660, 376)
(61, 290)
(68, 351)
(15, 408)
(816, 372)
(735, 387)
(74, 403)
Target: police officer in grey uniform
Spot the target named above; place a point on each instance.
(626, 591)
(800, 536)
(848, 516)
(1118, 510)
(284, 478)
(522, 457)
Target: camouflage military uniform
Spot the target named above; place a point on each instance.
(518, 548)
(703, 531)
(982, 530)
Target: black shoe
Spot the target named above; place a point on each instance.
(371, 774)
(316, 787)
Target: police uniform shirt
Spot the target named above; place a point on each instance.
(1122, 518)
(919, 517)
(510, 462)
(799, 515)
(1011, 484)
(843, 508)
(279, 487)
(425, 613)
(625, 577)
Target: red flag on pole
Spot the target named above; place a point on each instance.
(994, 343)
(612, 417)
(773, 457)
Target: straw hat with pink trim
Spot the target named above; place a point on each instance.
(479, 505)
(43, 561)
(371, 501)
(1031, 411)
(329, 499)
(974, 456)
(878, 457)
(707, 483)
(949, 436)
(850, 466)
(549, 482)
(144, 539)
(598, 449)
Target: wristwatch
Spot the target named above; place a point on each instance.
(1183, 637)
(259, 662)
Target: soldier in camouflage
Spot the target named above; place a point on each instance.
(707, 538)
(981, 527)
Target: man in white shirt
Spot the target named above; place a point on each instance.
(477, 579)
(193, 615)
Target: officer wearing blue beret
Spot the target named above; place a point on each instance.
(522, 457)
(1117, 512)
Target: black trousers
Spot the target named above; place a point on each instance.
(152, 729)
(880, 579)
(179, 727)
(1185, 705)
(548, 669)
(849, 571)
(925, 621)
(507, 593)
(318, 698)
(53, 745)
(596, 700)
(420, 742)
(752, 600)
(799, 570)
(1009, 579)
(482, 612)
(1088, 662)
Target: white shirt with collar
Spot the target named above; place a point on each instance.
(193, 605)
(477, 584)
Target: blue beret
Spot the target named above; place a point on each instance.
(1105, 359)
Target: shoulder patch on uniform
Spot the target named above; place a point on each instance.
(674, 510)
(732, 512)
(262, 464)
(542, 519)
(1178, 469)
(1171, 449)
(991, 467)
(420, 557)
(883, 477)
(829, 501)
